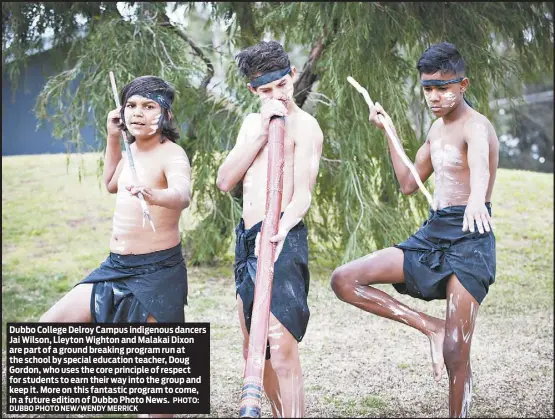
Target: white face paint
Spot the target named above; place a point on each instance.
(141, 116)
(154, 124)
(436, 98)
(450, 100)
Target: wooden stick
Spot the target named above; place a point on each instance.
(396, 142)
(251, 395)
(144, 206)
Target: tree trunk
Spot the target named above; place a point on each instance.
(304, 83)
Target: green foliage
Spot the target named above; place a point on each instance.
(357, 205)
(128, 50)
(379, 44)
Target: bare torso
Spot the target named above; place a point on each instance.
(128, 234)
(448, 149)
(255, 179)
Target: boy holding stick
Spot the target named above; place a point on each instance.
(452, 255)
(144, 279)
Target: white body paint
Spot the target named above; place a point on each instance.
(407, 316)
(452, 307)
(479, 155)
(436, 356)
(467, 398)
(447, 160)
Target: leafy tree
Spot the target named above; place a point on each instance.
(357, 204)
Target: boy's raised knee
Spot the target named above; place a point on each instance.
(341, 283)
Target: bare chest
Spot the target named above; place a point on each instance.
(448, 152)
(149, 173)
(258, 170)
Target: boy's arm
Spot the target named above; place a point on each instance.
(178, 174)
(477, 138)
(113, 162)
(111, 172)
(306, 161)
(422, 161)
(253, 135)
(248, 145)
(177, 195)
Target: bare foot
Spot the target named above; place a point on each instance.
(436, 348)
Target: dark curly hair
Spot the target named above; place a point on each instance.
(442, 57)
(159, 90)
(262, 58)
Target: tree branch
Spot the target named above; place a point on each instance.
(191, 126)
(304, 83)
(183, 35)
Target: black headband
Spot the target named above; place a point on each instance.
(158, 97)
(269, 77)
(440, 82)
(155, 90)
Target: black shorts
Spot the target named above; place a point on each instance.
(440, 248)
(291, 278)
(127, 288)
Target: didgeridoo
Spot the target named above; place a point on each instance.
(251, 396)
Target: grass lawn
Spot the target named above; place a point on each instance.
(56, 229)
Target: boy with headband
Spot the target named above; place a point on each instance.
(270, 75)
(452, 255)
(144, 279)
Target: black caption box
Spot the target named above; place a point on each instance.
(108, 368)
